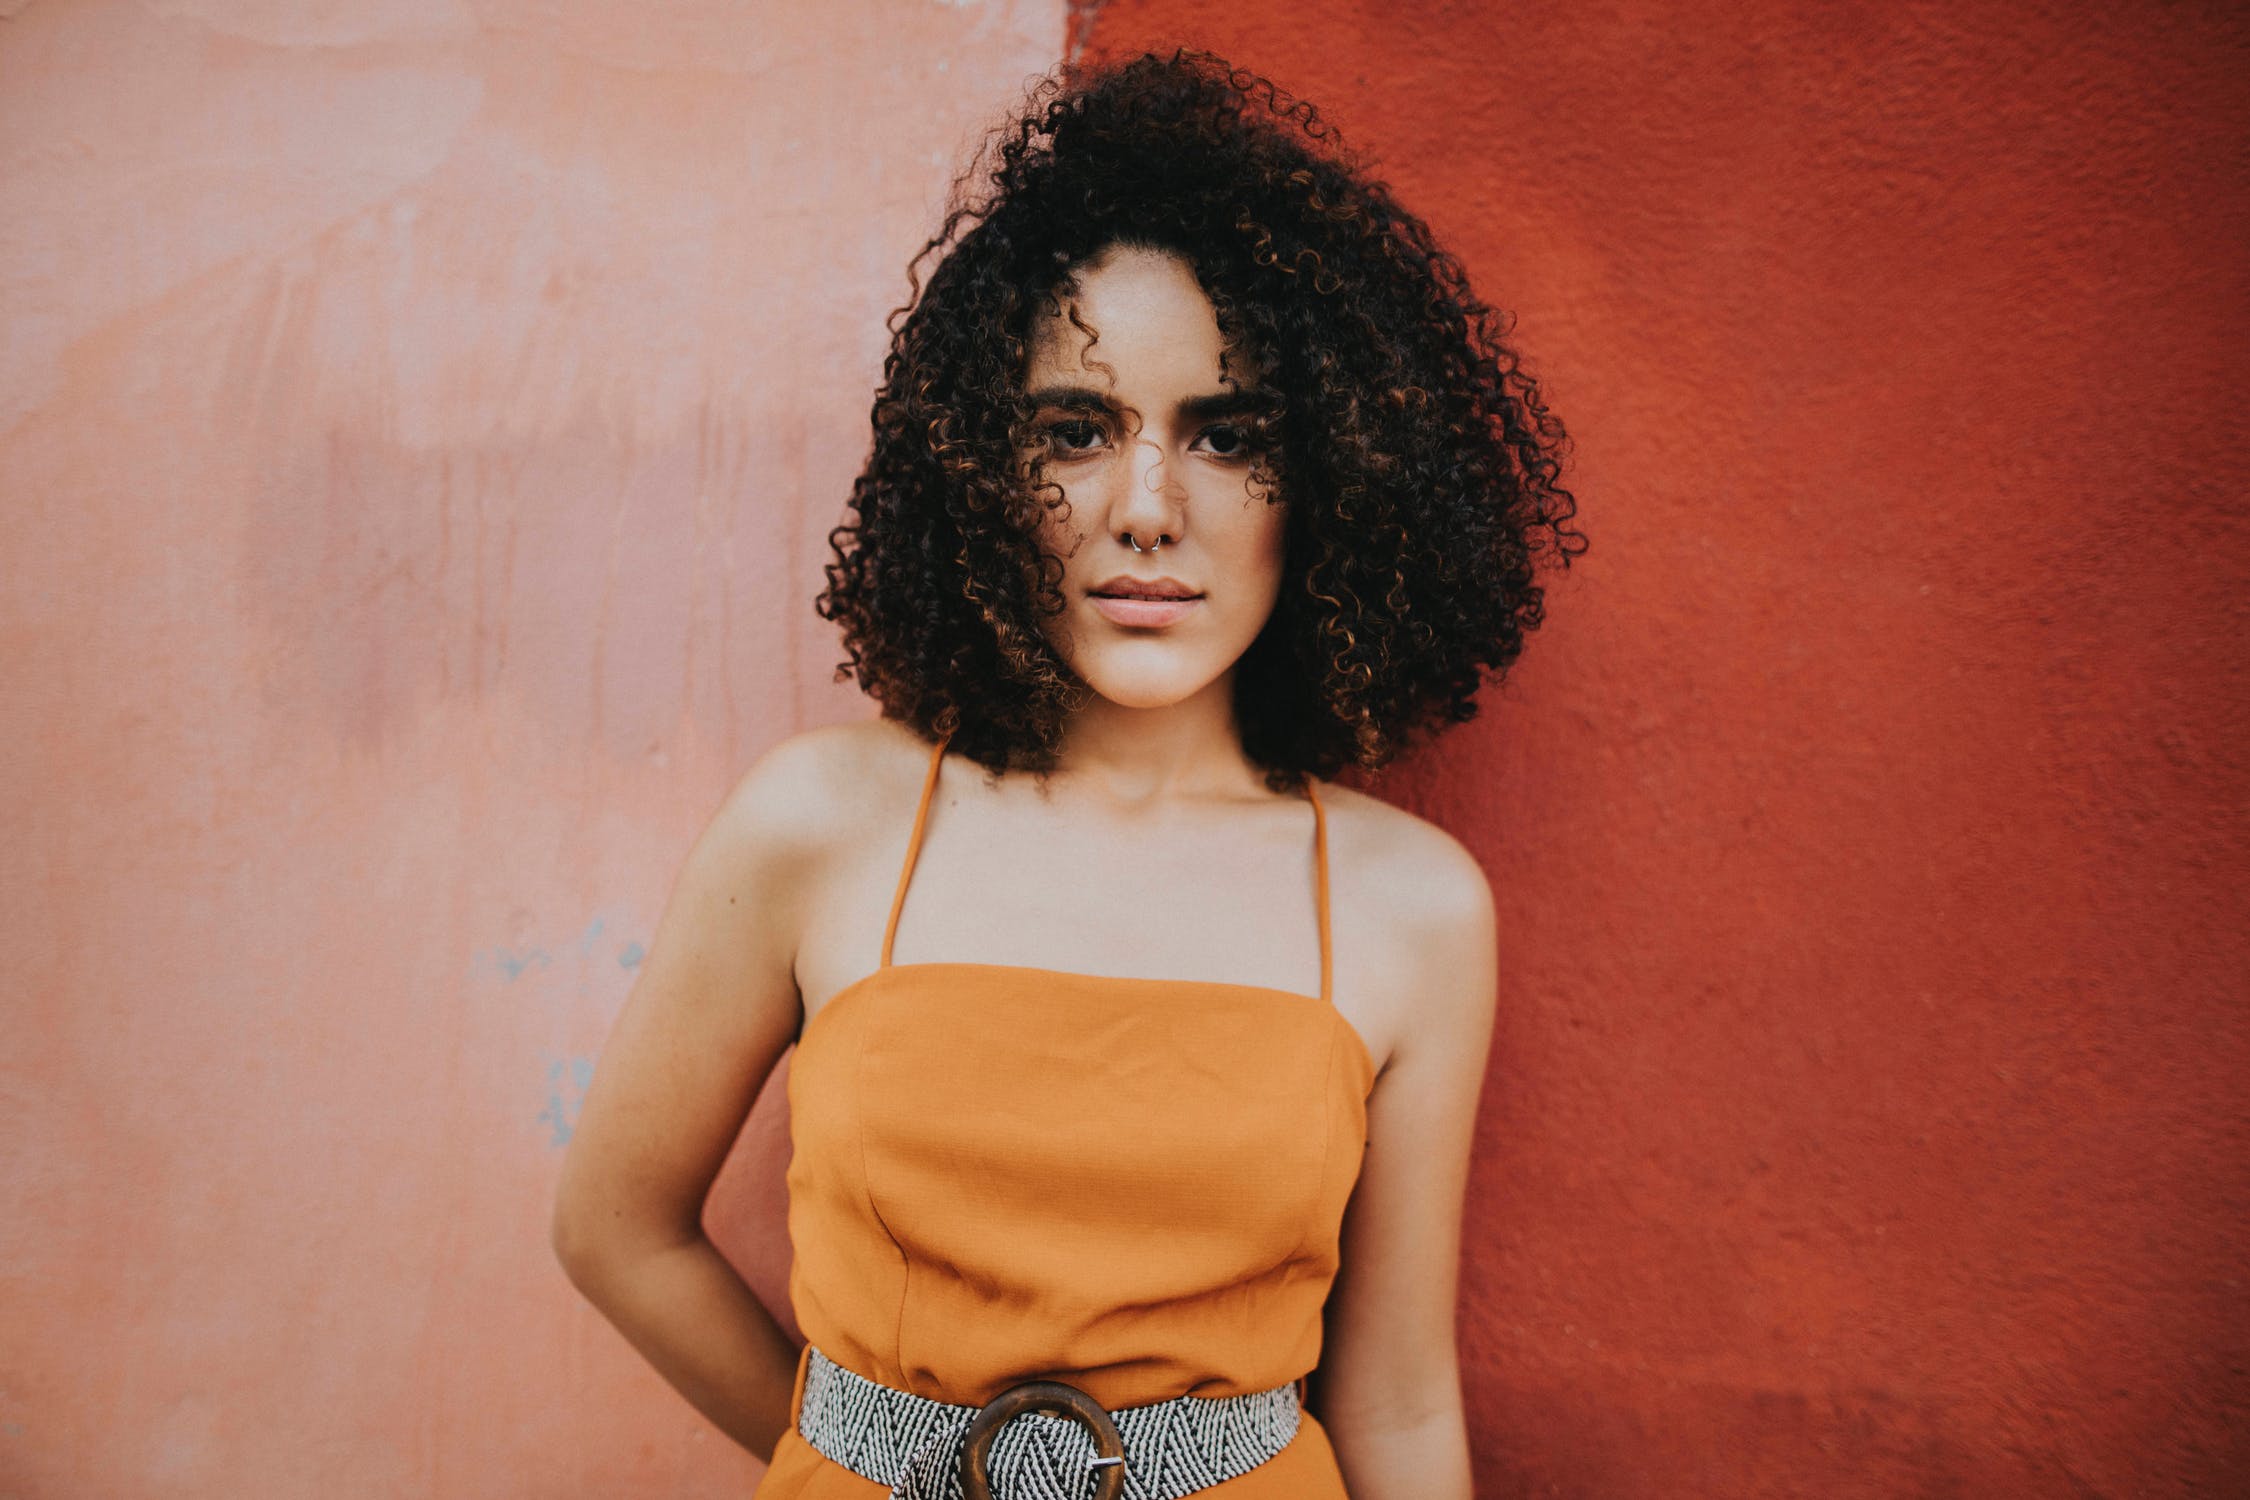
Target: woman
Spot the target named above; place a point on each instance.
(1137, 1065)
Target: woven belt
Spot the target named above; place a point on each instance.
(1012, 1448)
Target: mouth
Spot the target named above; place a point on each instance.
(1143, 609)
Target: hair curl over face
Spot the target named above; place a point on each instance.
(1417, 460)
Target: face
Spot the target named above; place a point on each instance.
(1145, 440)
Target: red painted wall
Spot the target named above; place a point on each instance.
(1866, 1116)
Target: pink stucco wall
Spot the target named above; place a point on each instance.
(418, 426)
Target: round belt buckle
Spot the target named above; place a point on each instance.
(1042, 1395)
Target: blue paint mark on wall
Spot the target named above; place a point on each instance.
(511, 962)
(567, 1078)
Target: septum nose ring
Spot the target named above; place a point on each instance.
(1161, 539)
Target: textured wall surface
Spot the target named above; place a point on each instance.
(419, 422)
(1867, 1111)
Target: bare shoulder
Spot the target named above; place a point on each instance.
(715, 1000)
(1420, 875)
(1413, 917)
(822, 789)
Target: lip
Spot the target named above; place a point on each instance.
(1144, 612)
(1145, 602)
(1145, 588)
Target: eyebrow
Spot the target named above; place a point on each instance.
(1205, 408)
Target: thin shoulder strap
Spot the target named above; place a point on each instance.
(1320, 882)
(913, 845)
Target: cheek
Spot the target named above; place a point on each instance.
(1276, 531)
(1255, 550)
(1269, 541)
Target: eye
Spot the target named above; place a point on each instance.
(1227, 440)
(1076, 435)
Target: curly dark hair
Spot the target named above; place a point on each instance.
(1418, 460)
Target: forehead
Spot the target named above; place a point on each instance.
(1152, 326)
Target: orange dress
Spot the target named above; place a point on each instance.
(1002, 1173)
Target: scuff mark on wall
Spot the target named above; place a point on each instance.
(567, 1081)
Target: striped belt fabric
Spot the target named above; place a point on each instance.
(914, 1444)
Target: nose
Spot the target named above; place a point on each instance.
(1153, 502)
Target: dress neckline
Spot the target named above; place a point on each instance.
(1304, 1003)
(1324, 1003)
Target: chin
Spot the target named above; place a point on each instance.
(1146, 684)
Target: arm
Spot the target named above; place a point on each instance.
(712, 1010)
(1389, 1388)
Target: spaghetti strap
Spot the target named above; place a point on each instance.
(1320, 886)
(913, 845)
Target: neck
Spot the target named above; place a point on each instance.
(1134, 756)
